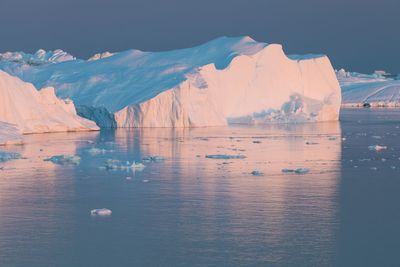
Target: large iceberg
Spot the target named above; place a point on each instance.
(227, 80)
(23, 109)
(379, 89)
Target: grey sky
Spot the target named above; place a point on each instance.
(360, 35)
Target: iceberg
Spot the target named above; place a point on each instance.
(228, 80)
(33, 111)
(9, 134)
(379, 89)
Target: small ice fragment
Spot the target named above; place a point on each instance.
(374, 168)
(128, 178)
(257, 173)
(311, 143)
(114, 164)
(101, 212)
(6, 156)
(376, 137)
(64, 159)
(224, 156)
(302, 170)
(97, 151)
(393, 167)
(145, 181)
(153, 159)
(137, 166)
(344, 139)
(377, 148)
(297, 171)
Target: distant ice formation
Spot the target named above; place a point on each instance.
(227, 80)
(379, 89)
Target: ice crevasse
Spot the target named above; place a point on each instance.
(227, 80)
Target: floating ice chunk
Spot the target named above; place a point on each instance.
(377, 148)
(153, 159)
(297, 171)
(64, 159)
(6, 156)
(101, 212)
(311, 143)
(114, 164)
(257, 173)
(224, 156)
(97, 151)
(145, 181)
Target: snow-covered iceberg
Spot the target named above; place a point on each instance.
(227, 80)
(33, 111)
(379, 89)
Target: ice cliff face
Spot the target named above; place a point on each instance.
(378, 89)
(228, 80)
(9, 134)
(25, 110)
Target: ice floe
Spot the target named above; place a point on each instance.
(225, 156)
(101, 212)
(377, 148)
(297, 171)
(64, 159)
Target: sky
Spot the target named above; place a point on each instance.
(358, 35)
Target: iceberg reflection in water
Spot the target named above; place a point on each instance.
(184, 210)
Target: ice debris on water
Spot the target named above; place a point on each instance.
(257, 173)
(377, 148)
(101, 212)
(114, 164)
(6, 156)
(224, 156)
(153, 159)
(98, 151)
(64, 159)
(297, 171)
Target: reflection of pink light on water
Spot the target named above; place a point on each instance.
(222, 191)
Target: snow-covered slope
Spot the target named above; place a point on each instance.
(227, 80)
(375, 89)
(33, 111)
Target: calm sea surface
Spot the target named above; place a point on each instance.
(189, 210)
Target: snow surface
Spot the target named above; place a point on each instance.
(375, 89)
(33, 111)
(227, 80)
